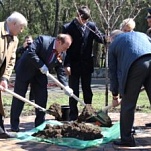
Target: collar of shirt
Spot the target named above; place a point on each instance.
(7, 29)
(54, 45)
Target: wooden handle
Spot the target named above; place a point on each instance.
(23, 99)
(107, 108)
(63, 87)
(110, 106)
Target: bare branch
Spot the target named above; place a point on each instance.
(113, 25)
(116, 9)
(101, 13)
(138, 12)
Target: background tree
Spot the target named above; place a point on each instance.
(48, 16)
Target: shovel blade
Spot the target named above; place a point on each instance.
(102, 118)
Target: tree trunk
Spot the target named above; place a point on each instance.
(44, 14)
(57, 18)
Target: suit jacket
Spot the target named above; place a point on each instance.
(7, 52)
(7, 56)
(123, 51)
(36, 56)
(79, 56)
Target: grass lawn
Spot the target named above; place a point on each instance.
(98, 102)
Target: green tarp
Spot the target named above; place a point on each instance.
(109, 134)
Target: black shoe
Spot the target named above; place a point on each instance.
(6, 135)
(148, 125)
(15, 130)
(128, 144)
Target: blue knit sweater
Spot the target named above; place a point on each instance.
(123, 51)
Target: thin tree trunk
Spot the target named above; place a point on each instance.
(57, 17)
(44, 14)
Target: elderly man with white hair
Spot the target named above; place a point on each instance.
(9, 29)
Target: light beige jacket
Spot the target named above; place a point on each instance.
(7, 55)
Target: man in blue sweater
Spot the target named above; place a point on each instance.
(130, 69)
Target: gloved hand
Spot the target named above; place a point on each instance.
(68, 91)
(44, 69)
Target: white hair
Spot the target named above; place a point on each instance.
(115, 33)
(128, 22)
(18, 18)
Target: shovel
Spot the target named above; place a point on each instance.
(63, 87)
(100, 116)
(26, 100)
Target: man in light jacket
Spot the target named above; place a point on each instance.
(9, 29)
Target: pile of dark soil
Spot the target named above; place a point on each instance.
(87, 112)
(55, 110)
(71, 130)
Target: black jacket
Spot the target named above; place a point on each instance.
(79, 56)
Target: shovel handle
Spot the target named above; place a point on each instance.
(110, 106)
(107, 108)
(63, 87)
(23, 99)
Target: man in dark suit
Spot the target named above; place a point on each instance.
(42, 55)
(79, 58)
(148, 32)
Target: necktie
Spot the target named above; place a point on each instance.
(83, 28)
(52, 56)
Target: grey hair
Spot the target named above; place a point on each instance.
(115, 32)
(18, 18)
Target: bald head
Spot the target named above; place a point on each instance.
(63, 42)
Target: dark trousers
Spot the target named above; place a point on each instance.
(39, 87)
(139, 75)
(31, 93)
(2, 122)
(74, 82)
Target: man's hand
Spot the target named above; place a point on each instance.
(44, 69)
(68, 91)
(68, 70)
(3, 85)
(116, 101)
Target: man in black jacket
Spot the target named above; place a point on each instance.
(27, 42)
(43, 55)
(19, 52)
(79, 58)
